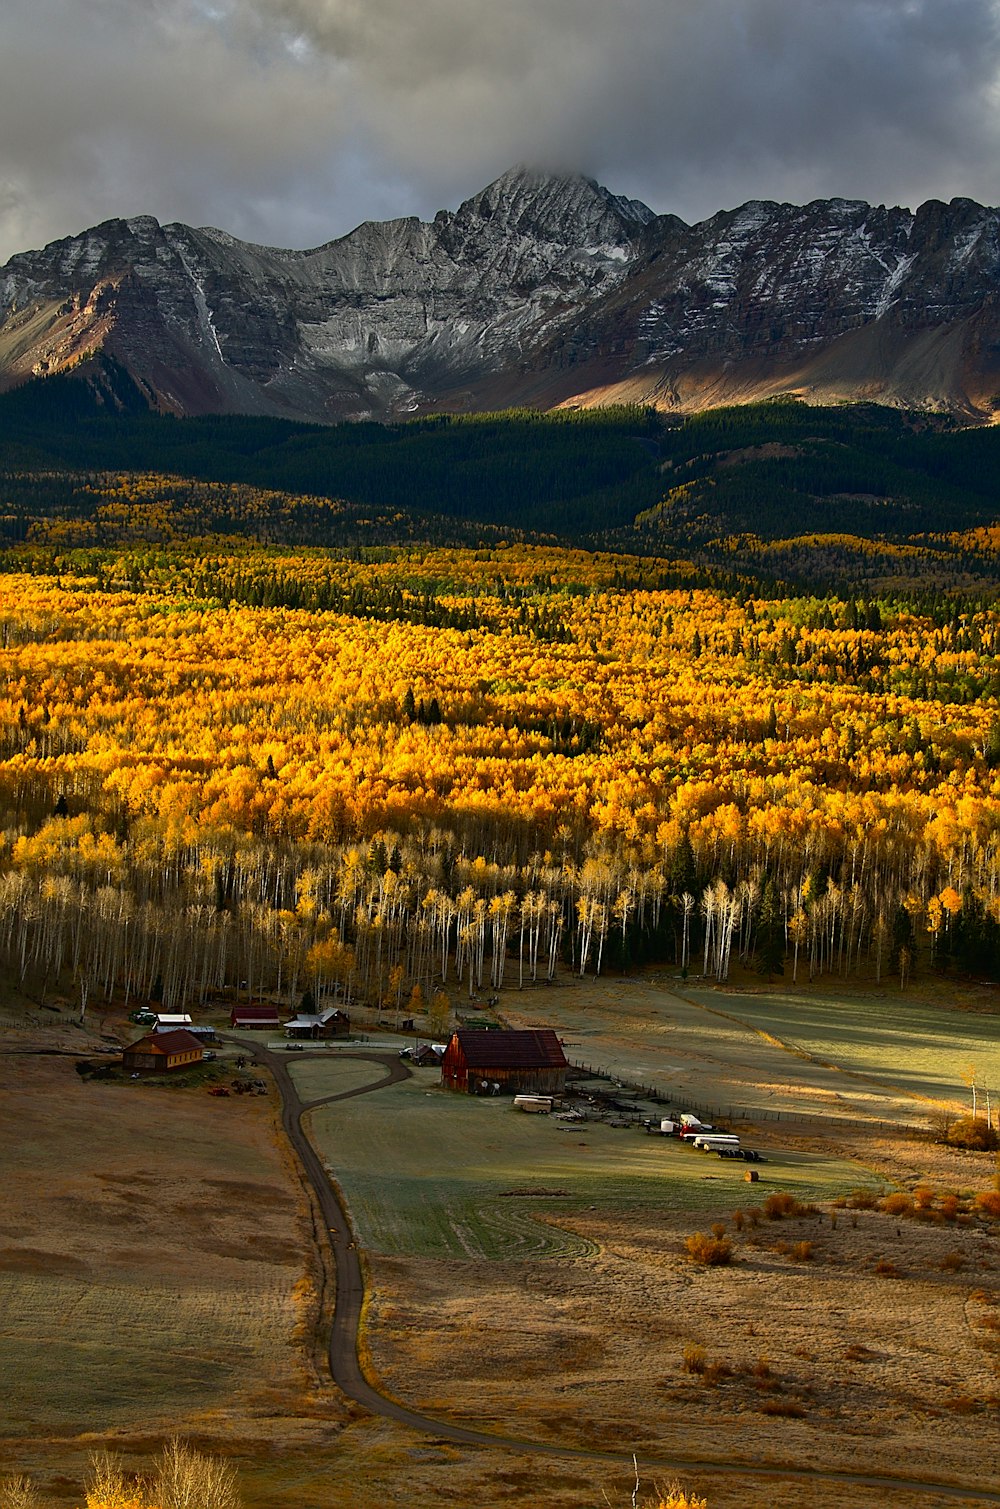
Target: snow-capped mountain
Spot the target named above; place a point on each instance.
(541, 289)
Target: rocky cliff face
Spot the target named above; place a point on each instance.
(540, 289)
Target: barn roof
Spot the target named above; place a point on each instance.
(537, 1048)
(166, 1043)
(256, 1013)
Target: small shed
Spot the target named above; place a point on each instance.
(517, 1061)
(167, 1021)
(319, 1024)
(163, 1050)
(256, 1018)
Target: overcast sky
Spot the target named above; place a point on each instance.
(289, 121)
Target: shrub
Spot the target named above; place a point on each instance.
(861, 1199)
(18, 1493)
(779, 1205)
(988, 1203)
(738, 1220)
(952, 1262)
(801, 1252)
(973, 1132)
(677, 1498)
(109, 1487)
(950, 1206)
(923, 1196)
(786, 1407)
(185, 1477)
(897, 1204)
(695, 1359)
(708, 1250)
(885, 1269)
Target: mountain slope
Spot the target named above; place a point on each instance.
(540, 290)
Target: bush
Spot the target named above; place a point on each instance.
(695, 1359)
(988, 1203)
(885, 1269)
(861, 1199)
(183, 1478)
(952, 1262)
(897, 1205)
(677, 1498)
(777, 1206)
(786, 1407)
(800, 1252)
(708, 1250)
(18, 1493)
(972, 1132)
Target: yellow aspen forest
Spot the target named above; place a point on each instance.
(228, 767)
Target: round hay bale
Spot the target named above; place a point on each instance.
(751, 1176)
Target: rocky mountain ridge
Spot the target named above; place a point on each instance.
(539, 290)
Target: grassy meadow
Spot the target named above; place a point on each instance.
(886, 1055)
(430, 1173)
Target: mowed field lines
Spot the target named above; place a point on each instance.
(76, 1354)
(429, 1173)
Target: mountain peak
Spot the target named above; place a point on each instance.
(563, 207)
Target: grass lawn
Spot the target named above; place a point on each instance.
(429, 1173)
(315, 1078)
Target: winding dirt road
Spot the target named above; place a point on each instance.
(345, 1368)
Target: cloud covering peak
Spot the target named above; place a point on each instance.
(288, 121)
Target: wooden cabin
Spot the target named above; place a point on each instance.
(476, 1062)
(161, 1051)
(319, 1024)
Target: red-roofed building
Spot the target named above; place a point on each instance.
(516, 1061)
(163, 1050)
(257, 1018)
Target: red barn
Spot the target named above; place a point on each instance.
(516, 1061)
(163, 1050)
(264, 1018)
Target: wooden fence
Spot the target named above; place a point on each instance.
(756, 1114)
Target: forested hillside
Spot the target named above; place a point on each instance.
(856, 496)
(435, 770)
(253, 732)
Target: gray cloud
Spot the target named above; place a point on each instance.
(290, 120)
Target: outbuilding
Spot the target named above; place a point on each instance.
(479, 1063)
(160, 1051)
(256, 1018)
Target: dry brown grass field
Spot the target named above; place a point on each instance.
(157, 1275)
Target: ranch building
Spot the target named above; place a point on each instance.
(319, 1024)
(163, 1050)
(257, 1018)
(476, 1062)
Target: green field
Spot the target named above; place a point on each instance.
(884, 1055)
(316, 1077)
(908, 1045)
(429, 1173)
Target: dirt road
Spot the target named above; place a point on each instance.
(345, 1368)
